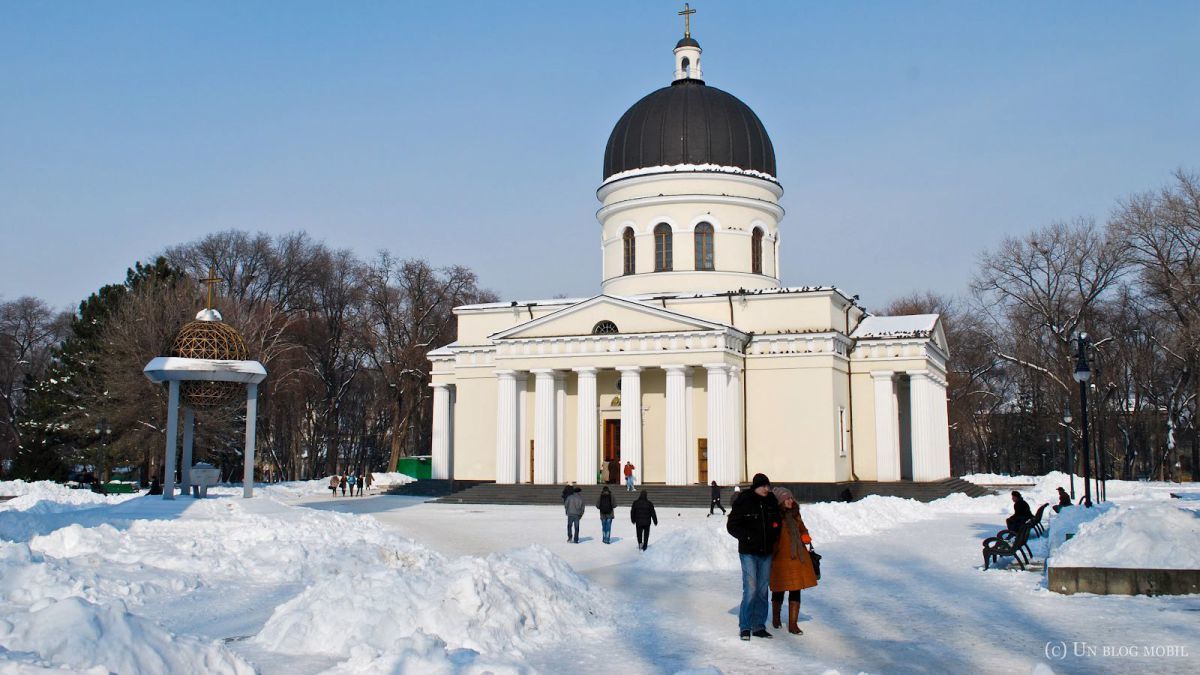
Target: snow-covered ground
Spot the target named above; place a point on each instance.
(298, 581)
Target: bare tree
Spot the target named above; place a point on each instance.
(29, 330)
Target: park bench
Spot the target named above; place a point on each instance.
(1039, 529)
(1008, 543)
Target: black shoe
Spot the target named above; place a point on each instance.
(746, 635)
(576, 541)
(762, 633)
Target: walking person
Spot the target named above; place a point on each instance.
(342, 485)
(362, 481)
(351, 480)
(574, 508)
(754, 521)
(370, 479)
(607, 506)
(614, 471)
(629, 476)
(641, 513)
(715, 494)
(791, 567)
(333, 484)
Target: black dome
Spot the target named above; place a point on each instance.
(689, 123)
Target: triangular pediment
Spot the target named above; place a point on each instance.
(629, 317)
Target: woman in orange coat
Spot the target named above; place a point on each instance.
(791, 568)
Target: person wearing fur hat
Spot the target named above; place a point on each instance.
(791, 567)
(754, 521)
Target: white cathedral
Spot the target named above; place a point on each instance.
(694, 362)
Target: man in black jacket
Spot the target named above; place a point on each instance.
(1021, 513)
(641, 512)
(754, 521)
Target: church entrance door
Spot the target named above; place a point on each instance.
(612, 451)
(702, 460)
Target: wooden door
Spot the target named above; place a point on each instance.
(702, 459)
(612, 449)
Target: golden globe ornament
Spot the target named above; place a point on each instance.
(209, 338)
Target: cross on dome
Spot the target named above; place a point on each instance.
(687, 19)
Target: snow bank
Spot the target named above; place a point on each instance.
(1151, 536)
(497, 605)
(343, 585)
(707, 545)
(77, 634)
(49, 497)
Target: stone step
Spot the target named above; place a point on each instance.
(683, 496)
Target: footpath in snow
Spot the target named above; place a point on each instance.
(298, 581)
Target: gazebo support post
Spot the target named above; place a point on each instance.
(172, 439)
(251, 417)
(185, 471)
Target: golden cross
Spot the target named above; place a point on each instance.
(687, 19)
(211, 281)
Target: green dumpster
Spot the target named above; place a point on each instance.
(420, 467)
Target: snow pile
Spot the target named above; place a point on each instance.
(689, 168)
(336, 585)
(495, 605)
(708, 546)
(1150, 536)
(49, 497)
(75, 633)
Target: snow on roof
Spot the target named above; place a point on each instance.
(911, 326)
(554, 302)
(690, 168)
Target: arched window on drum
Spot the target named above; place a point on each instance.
(756, 257)
(628, 245)
(704, 247)
(662, 248)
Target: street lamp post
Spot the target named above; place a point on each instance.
(103, 432)
(1082, 375)
(1070, 459)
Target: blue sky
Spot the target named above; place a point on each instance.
(909, 136)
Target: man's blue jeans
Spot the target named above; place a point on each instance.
(756, 574)
(629, 483)
(606, 525)
(573, 524)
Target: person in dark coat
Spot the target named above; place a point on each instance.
(755, 522)
(641, 512)
(614, 471)
(715, 495)
(155, 486)
(1064, 499)
(1021, 512)
(342, 484)
(607, 506)
(574, 507)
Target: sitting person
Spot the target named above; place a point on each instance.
(1064, 499)
(1021, 513)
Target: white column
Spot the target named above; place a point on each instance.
(631, 420)
(676, 435)
(506, 427)
(544, 433)
(689, 398)
(922, 428)
(718, 434)
(560, 412)
(734, 450)
(887, 452)
(523, 460)
(251, 419)
(441, 431)
(587, 453)
(941, 429)
(172, 439)
(185, 471)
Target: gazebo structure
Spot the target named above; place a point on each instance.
(207, 366)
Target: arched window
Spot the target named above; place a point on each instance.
(756, 251)
(605, 327)
(704, 246)
(627, 241)
(662, 248)
(687, 67)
